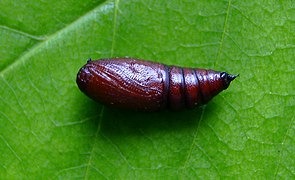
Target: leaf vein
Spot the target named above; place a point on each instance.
(194, 141)
(118, 150)
(10, 148)
(115, 26)
(282, 144)
(223, 32)
(38, 38)
(93, 146)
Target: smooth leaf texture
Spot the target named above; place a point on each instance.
(49, 129)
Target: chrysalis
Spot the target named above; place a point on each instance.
(148, 86)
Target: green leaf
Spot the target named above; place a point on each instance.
(49, 129)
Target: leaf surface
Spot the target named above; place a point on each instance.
(50, 129)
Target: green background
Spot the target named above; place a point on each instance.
(49, 129)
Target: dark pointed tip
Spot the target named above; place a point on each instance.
(227, 78)
(89, 60)
(231, 77)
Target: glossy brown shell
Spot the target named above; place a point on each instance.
(148, 86)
